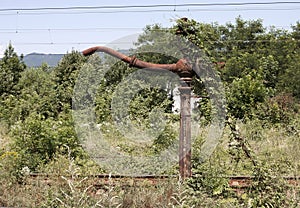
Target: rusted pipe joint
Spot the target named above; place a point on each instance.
(182, 67)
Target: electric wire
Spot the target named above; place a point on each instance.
(128, 42)
(153, 11)
(93, 29)
(151, 6)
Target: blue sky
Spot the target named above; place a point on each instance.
(45, 32)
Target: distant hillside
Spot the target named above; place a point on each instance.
(37, 59)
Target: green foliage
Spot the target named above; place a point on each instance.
(241, 37)
(244, 95)
(268, 189)
(145, 101)
(112, 78)
(36, 139)
(268, 66)
(65, 75)
(279, 109)
(239, 66)
(248, 49)
(74, 190)
(289, 81)
(9, 165)
(36, 94)
(209, 179)
(33, 142)
(165, 139)
(10, 71)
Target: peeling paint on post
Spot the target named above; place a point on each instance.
(185, 129)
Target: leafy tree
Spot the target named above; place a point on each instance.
(36, 94)
(248, 51)
(38, 127)
(205, 36)
(241, 37)
(11, 67)
(239, 66)
(65, 75)
(244, 95)
(289, 81)
(116, 73)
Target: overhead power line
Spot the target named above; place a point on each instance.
(74, 29)
(148, 11)
(130, 42)
(94, 29)
(151, 6)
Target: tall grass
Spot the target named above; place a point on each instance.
(69, 183)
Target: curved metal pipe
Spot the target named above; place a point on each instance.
(181, 67)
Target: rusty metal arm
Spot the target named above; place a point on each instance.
(181, 67)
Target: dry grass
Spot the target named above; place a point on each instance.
(66, 186)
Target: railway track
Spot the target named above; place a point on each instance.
(97, 185)
(235, 182)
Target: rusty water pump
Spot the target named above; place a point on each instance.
(185, 72)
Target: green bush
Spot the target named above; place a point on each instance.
(244, 94)
(279, 109)
(37, 139)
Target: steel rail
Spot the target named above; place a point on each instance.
(238, 182)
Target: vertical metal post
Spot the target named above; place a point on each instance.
(185, 128)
